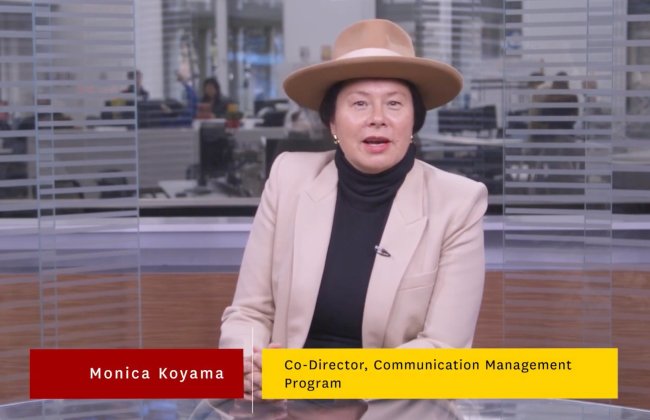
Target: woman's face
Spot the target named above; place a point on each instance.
(373, 122)
(210, 90)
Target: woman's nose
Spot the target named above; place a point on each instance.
(377, 118)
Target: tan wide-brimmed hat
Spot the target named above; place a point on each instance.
(374, 48)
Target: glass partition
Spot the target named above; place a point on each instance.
(210, 68)
(501, 129)
(109, 111)
(465, 136)
(575, 193)
(69, 249)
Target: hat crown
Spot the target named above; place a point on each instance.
(374, 49)
(376, 34)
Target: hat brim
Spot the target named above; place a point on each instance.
(437, 82)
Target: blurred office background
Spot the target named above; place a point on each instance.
(124, 208)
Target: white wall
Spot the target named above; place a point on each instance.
(148, 45)
(311, 24)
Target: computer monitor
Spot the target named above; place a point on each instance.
(276, 146)
(272, 111)
(275, 104)
(150, 113)
(216, 148)
(471, 119)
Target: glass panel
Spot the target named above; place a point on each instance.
(68, 181)
(365, 410)
(575, 196)
(466, 135)
(553, 119)
(557, 206)
(210, 71)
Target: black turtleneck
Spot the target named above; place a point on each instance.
(363, 203)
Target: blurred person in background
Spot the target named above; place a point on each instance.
(5, 118)
(567, 111)
(136, 77)
(213, 103)
(189, 94)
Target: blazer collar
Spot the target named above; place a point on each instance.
(312, 230)
(404, 228)
(313, 227)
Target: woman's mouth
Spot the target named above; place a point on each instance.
(376, 144)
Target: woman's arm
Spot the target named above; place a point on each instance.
(248, 321)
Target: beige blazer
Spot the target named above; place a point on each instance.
(426, 294)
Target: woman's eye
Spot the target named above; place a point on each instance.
(394, 104)
(359, 103)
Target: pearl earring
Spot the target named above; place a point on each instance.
(336, 139)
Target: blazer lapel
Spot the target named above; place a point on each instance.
(312, 230)
(404, 228)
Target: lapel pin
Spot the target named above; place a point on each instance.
(381, 251)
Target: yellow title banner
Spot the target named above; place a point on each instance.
(439, 373)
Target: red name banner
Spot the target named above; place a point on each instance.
(136, 373)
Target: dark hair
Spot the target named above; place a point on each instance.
(214, 82)
(328, 104)
(131, 74)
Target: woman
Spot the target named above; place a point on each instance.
(365, 246)
(213, 98)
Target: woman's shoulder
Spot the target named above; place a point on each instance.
(307, 161)
(453, 191)
(300, 167)
(439, 178)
